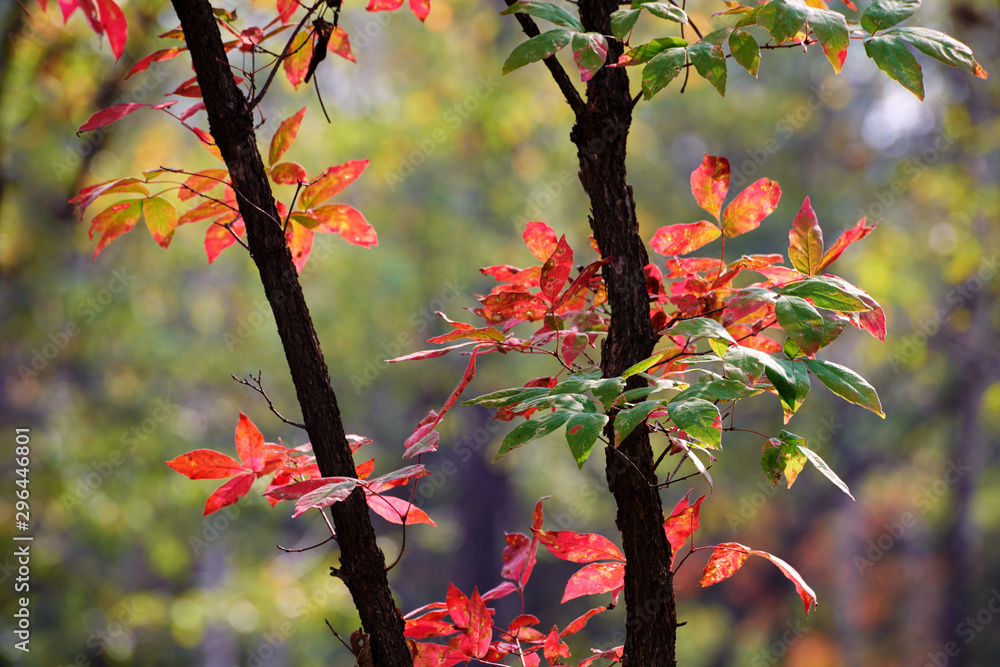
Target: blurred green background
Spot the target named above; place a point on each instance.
(119, 364)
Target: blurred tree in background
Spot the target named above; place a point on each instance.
(130, 356)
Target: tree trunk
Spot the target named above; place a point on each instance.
(600, 135)
(230, 119)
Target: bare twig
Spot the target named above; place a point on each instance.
(259, 388)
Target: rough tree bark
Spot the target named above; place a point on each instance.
(600, 135)
(230, 120)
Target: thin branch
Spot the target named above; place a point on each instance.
(304, 549)
(258, 387)
(562, 79)
(277, 63)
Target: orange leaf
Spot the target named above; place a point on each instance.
(331, 182)
(340, 44)
(540, 239)
(206, 464)
(750, 207)
(347, 222)
(285, 135)
(682, 239)
(114, 221)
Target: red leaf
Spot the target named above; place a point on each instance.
(437, 655)
(202, 182)
(681, 523)
(582, 281)
(347, 222)
(520, 305)
(500, 591)
(288, 173)
(114, 221)
(458, 606)
(89, 194)
(340, 44)
(419, 628)
(540, 239)
(218, 238)
(709, 185)
(250, 444)
(555, 271)
(155, 57)
(364, 470)
(297, 57)
(396, 478)
(110, 115)
(325, 495)
(805, 241)
(483, 334)
(114, 25)
(615, 654)
(518, 558)
(296, 490)
(594, 579)
(479, 632)
(331, 182)
(300, 242)
(384, 5)
(250, 38)
(191, 110)
(728, 557)
(579, 623)
(286, 8)
(554, 648)
(750, 207)
(206, 464)
(682, 239)
(228, 493)
(393, 509)
(430, 354)
(853, 235)
(283, 138)
(579, 547)
(421, 8)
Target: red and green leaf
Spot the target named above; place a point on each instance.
(805, 241)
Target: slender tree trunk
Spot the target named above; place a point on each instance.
(600, 135)
(362, 563)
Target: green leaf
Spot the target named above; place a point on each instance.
(161, 219)
(701, 327)
(507, 397)
(531, 430)
(825, 469)
(829, 293)
(545, 10)
(710, 61)
(883, 14)
(571, 402)
(622, 22)
(646, 364)
(666, 11)
(801, 321)
(628, 419)
(590, 51)
(742, 363)
(537, 48)
(661, 70)
(607, 390)
(699, 418)
(717, 390)
(942, 47)
(577, 383)
(646, 52)
(581, 433)
(745, 50)
(795, 383)
(846, 383)
(782, 19)
(893, 58)
(780, 458)
(830, 29)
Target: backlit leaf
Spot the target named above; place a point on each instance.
(114, 26)
(590, 51)
(346, 221)
(782, 19)
(537, 48)
(288, 173)
(846, 383)
(161, 219)
(801, 321)
(831, 293)
(540, 239)
(745, 51)
(893, 58)
(594, 579)
(781, 458)
(883, 14)
(729, 557)
(420, 8)
(853, 235)
(942, 47)
(206, 464)
(340, 43)
(520, 305)
(666, 11)
(300, 243)
(824, 468)
(297, 57)
(805, 240)
(333, 180)
(383, 5)
(556, 270)
(201, 183)
(579, 547)
(110, 115)
(646, 52)
(709, 185)
(114, 221)
(701, 327)
(218, 237)
(283, 138)
(479, 630)
(228, 493)
(751, 206)
(395, 510)
(681, 524)
(156, 56)
(830, 29)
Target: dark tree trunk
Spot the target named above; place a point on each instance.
(362, 563)
(600, 136)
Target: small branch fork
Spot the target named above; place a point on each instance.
(255, 384)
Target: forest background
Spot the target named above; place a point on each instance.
(130, 356)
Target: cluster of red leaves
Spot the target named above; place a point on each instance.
(104, 16)
(468, 625)
(309, 214)
(296, 477)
